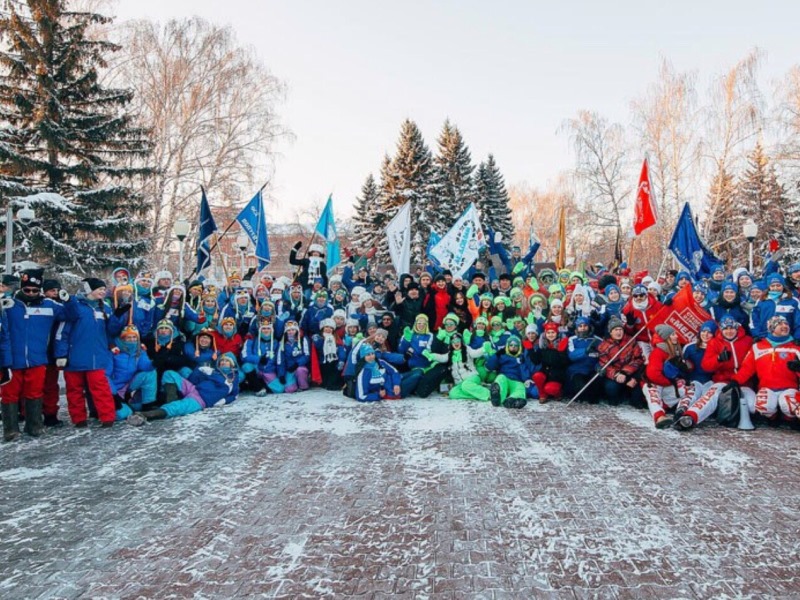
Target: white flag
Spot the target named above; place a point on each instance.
(399, 233)
(460, 246)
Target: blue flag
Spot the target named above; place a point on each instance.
(434, 239)
(253, 221)
(326, 227)
(205, 230)
(689, 248)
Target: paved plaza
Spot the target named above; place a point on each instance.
(314, 495)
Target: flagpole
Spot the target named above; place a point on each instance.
(222, 235)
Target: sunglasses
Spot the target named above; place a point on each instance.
(640, 295)
(29, 290)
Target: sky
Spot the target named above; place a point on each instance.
(507, 73)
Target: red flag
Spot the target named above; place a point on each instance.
(684, 315)
(644, 209)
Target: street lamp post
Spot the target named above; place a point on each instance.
(25, 215)
(181, 229)
(241, 241)
(750, 230)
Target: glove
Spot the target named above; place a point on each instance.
(207, 370)
(297, 246)
(794, 365)
(428, 354)
(5, 375)
(467, 337)
(118, 312)
(488, 348)
(472, 291)
(118, 401)
(220, 403)
(250, 272)
(61, 363)
(282, 379)
(340, 366)
(671, 372)
(408, 334)
(668, 301)
(528, 383)
(630, 319)
(593, 345)
(724, 355)
(729, 386)
(63, 295)
(263, 360)
(351, 259)
(518, 268)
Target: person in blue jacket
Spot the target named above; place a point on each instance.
(293, 361)
(330, 356)
(378, 380)
(415, 342)
(125, 301)
(241, 309)
(583, 358)
(131, 374)
(82, 350)
(315, 314)
(514, 369)
(779, 301)
(173, 307)
(206, 387)
(201, 352)
(260, 359)
(729, 304)
(28, 323)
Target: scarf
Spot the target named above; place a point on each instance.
(329, 348)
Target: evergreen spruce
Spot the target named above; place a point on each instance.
(453, 187)
(368, 215)
(407, 178)
(761, 197)
(66, 133)
(719, 228)
(492, 199)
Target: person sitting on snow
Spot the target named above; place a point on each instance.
(513, 382)
(377, 380)
(665, 377)
(131, 374)
(205, 387)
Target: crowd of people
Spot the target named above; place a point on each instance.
(146, 347)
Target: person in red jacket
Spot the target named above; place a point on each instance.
(623, 364)
(775, 360)
(723, 358)
(637, 313)
(437, 303)
(665, 377)
(227, 339)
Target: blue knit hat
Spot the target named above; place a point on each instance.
(709, 326)
(365, 350)
(729, 285)
(775, 278)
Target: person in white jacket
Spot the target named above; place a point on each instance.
(461, 359)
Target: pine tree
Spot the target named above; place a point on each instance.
(761, 197)
(367, 217)
(492, 199)
(66, 133)
(452, 186)
(407, 178)
(719, 232)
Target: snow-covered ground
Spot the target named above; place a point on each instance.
(315, 495)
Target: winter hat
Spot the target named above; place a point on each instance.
(316, 248)
(481, 321)
(555, 289)
(9, 280)
(639, 289)
(532, 328)
(231, 357)
(776, 278)
(412, 285)
(487, 296)
(439, 277)
(163, 275)
(513, 341)
(119, 270)
(496, 320)
(664, 331)
(550, 326)
(321, 294)
(478, 274)
(556, 302)
(729, 323)
(710, 326)
(209, 334)
(614, 323)
(611, 287)
(352, 323)
(502, 300)
(793, 268)
(130, 330)
(327, 323)
(729, 285)
(164, 324)
(654, 287)
(737, 273)
(194, 284)
(702, 288)
(51, 284)
(582, 321)
(335, 279)
(775, 321)
(358, 291)
(365, 350)
(381, 331)
(450, 317)
(454, 337)
(537, 296)
(605, 281)
(339, 313)
(91, 284)
(683, 275)
(31, 278)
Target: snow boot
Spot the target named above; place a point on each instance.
(136, 419)
(170, 393)
(664, 422)
(34, 420)
(253, 382)
(494, 394)
(684, 423)
(154, 415)
(10, 422)
(52, 421)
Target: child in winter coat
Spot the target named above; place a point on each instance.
(227, 339)
(165, 348)
(174, 308)
(204, 388)
(583, 356)
(513, 383)
(260, 359)
(377, 380)
(293, 361)
(131, 374)
(201, 352)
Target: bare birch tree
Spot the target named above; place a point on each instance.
(211, 106)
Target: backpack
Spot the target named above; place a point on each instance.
(728, 407)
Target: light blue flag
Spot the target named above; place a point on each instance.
(434, 239)
(689, 248)
(253, 221)
(326, 227)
